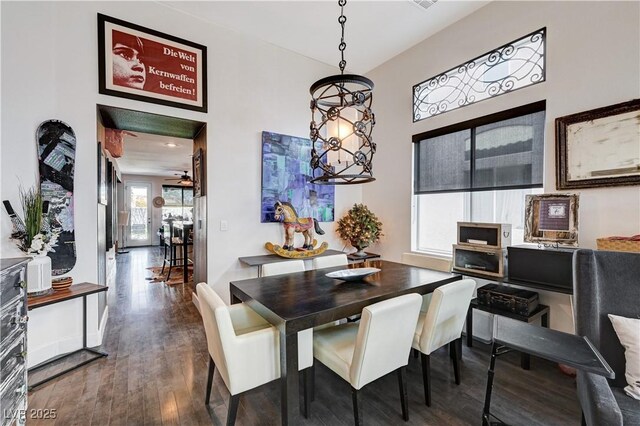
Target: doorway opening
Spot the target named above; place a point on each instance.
(153, 199)
(138, 208)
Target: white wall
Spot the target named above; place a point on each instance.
(50, 70)
(593, 60)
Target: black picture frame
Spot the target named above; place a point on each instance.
(102, 175)
(610, 124)
(198, 174)
(166, 71)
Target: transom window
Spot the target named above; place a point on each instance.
(513, 66)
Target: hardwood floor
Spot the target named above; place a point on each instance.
(157, 369)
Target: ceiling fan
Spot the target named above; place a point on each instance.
(184, 179)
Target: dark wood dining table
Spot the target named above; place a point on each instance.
(302, 300)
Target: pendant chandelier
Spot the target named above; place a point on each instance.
(341, 125)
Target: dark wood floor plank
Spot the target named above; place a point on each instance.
(157, 366)
(151, 402)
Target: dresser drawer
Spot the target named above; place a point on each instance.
(13, 357)
(11, 285)
(14, 388)
(12, 318)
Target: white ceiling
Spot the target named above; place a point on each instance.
(149, 155)
(376, 31)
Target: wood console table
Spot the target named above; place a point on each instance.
(354, 258)
(77, 290)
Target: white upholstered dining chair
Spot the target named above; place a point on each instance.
(244, 347)
(378, 345)
(441, 324)
(286, 267)
(330, 261)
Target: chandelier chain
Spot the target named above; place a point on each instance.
(342, 46)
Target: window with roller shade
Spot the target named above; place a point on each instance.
(477, 171)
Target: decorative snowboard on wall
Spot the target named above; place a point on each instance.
(56, 159)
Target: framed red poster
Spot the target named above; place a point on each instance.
(147, 65)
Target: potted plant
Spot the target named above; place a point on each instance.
(35, 237)
(360, 227)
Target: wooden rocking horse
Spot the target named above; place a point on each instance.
(293, 224)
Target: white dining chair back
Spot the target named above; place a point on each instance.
(378, 345)
(384, 338)
(244, 347)
(445, 317)
(330, 261)
(286, 267)
(240, 370)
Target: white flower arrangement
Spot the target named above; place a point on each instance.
(44, 243)
(34, 235)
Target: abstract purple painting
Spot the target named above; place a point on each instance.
(285, 177)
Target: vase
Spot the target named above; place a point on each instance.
(39, 275)
(360, 251)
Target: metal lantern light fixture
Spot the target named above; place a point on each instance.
(341, 125)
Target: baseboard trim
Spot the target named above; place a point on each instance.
(95, 338)
(196, 301)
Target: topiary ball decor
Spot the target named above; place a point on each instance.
(360, 228)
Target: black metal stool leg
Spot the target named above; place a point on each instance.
(164, 258)
(172, 259)
(486, 412)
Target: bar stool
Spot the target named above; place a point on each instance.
(175, 242)
(167, 232)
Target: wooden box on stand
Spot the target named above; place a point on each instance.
(482, 248)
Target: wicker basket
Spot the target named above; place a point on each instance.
(609, 244)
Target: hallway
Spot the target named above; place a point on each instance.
(156, 375)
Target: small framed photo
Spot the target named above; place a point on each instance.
(198, 174)
(552, 219)
(146, 65)
(599, 148)
(102, 175)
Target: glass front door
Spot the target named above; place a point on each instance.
(139, 205)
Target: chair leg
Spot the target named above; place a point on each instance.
(456, 360)
(426, 378)
(402, 385)
(312, 384)
(357, 407)
(164, 259)
(212, 368)
(306, 385)
(233, 409)
(172, 252)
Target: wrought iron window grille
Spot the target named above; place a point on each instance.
(515, 65)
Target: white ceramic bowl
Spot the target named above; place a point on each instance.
(356, 274)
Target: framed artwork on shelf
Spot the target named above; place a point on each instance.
(551, 219)
(286, 171)
(102, 175)
(198, 174)
(146, 65)
(599, 148)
